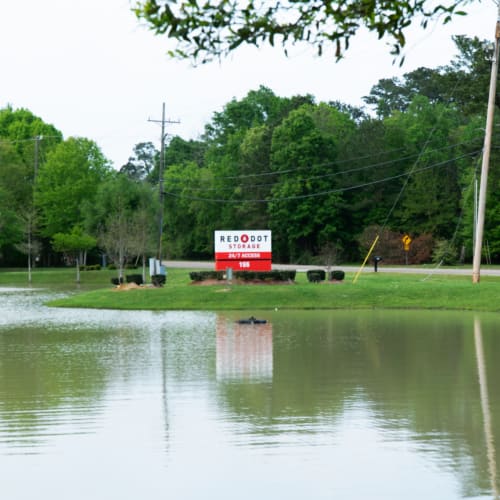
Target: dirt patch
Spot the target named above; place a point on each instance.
(130, 286)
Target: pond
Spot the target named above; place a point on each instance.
(108, 405)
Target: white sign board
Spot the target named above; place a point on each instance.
(243, 250)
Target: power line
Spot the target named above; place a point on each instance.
(347, 160)
(321, 193)
(314, 177)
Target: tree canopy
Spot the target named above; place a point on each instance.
(325, 177)
(70, 176)
(211, 29)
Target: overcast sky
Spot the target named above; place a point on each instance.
(90, 69)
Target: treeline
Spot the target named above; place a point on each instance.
(324, 177)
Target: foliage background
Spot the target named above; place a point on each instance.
(324, 176)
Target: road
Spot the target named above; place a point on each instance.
(381, 268)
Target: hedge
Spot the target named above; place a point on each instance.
(316, 275)
(265, 275)
(337, 275)
(158, 279)
(206, 275)
(245, 275)
(93, 267)
(134, 278)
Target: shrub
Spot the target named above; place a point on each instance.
(287, 275)
(337, 275)
(245, 275)
(134, 278)
(390, 246)
(94, 267)
(116, 281)
(316, 275)
(158, 279)
(445, 253)
(421, 249)
(265, 275)
(206, 275)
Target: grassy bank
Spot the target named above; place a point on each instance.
(373, 290)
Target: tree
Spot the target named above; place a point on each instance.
(14, 193)
(430, 202)
(25, 141)
(70, 177)
(74, 244)
(395, 94)
(466, 80)
(121, 216)
(180, 151)
(304, 208)
(9, 227)
(27, 132)
(29, 245)
(464, 83)
(211, 29)
(189, 218)
(141, 165)
(255, 183)
(258, 107)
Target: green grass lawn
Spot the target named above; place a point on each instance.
(372, 290)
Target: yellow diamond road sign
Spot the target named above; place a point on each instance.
(406, 242)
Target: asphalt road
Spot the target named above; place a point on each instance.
(368, 269)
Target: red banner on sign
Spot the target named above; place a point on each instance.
(243, 255)
(244, 265)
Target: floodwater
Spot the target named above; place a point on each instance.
(107, 405)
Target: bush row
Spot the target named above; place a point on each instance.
(206, 275)
(244, 275)
(127, 266)
(156, 279)
(265, 275)
(316, 275)
(95, 267)
(134, 278)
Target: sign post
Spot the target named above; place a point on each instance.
(243, 250)
(406, 246)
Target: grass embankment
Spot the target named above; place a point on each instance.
(372, 290)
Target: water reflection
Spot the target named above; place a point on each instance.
(316, 405)
(244, 351)
(485, 406)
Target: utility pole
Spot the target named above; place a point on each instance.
(161, 171)
(486, 156)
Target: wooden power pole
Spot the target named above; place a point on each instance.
(476, 266)
(161, 170)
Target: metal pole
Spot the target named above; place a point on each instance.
(486, 157)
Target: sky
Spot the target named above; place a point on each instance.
(91, 69)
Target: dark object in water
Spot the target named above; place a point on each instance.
(252, 321)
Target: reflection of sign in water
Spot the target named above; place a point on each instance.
(244, 351)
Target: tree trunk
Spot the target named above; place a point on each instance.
(78, 270)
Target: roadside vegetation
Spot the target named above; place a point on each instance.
(325, 177)
(372, 290)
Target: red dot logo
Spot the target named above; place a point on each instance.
(244, 238)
